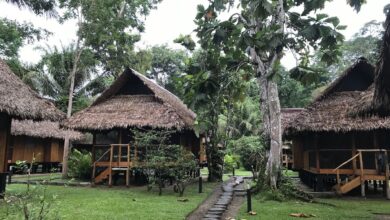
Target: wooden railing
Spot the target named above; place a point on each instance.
(337, 169)
(361, 166)
(117, 163)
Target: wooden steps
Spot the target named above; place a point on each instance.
(102, 176)
(345, 187)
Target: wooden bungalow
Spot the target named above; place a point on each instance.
(333, 146)
(132, 101)
(17, 100)
(343, 138)
(43, 140)
(288, 115)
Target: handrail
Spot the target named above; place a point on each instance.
(102, 156)
(341, 165)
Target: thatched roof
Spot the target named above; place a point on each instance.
(334, 109)
(20, 101)
(288, 115)
(379, 102)
(42, 129)
(133, 100)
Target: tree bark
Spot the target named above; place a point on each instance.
(70, 106)
(214, 159)
(275, 152)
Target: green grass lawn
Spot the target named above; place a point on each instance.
(117, 202)
(337, 208)
(35, 177)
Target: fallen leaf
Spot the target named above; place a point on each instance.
(301, 215)
(252, 213)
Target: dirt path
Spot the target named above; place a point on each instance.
(233, 208)
(222, 203)
(206, 204)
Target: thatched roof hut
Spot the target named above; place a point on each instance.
(19, 100)
(334, 110)
(133, 100)
(42, 129)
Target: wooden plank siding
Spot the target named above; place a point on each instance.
(5, 127)
(43, 149)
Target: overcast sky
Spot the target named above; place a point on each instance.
(175, 17)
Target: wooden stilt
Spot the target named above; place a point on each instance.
(128, 165)
(387, 176)
(317, 153)
(110, 166)
(362, 187)
(93, 159)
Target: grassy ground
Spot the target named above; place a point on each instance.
(347, 208)
(116, 203)
(35, 177)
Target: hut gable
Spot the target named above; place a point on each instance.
(133, 100)
(19, 100)
(358, 77)
(335, 109)
(42, 129)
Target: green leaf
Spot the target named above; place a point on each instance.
(341, 27)
(334, 20)
(321, 16)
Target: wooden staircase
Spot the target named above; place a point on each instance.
(346, 186)
(359, 175)
(102, 176)
(114, 164)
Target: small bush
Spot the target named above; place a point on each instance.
(247, 147)
(80, 164)
(230, 162)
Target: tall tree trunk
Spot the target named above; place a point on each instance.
(214, 159)
(70, 107)
(269, 100)
(275, 152)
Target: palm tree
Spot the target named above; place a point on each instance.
(39, 7)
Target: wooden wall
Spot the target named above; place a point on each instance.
(43, 149)
(5, 126)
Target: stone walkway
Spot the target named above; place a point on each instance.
(216, 211)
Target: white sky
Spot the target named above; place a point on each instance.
(175, 17)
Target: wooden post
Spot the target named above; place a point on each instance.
(93, 147)
(317, 154)
(249, 200)
(362, 187)
(375, 143)
(353, 143)
(387, 176)
(110, 166)
(135, 153)
(338, 178)
(93, 158)
(128, 165)
(200, 189)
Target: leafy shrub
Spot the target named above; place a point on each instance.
(164, 162)
(80, 164)
(248, 148)
(230, 162)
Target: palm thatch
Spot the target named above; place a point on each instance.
(133, 101)
(20, 101)
(42, 129)
(288, 115)
(335, 109)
